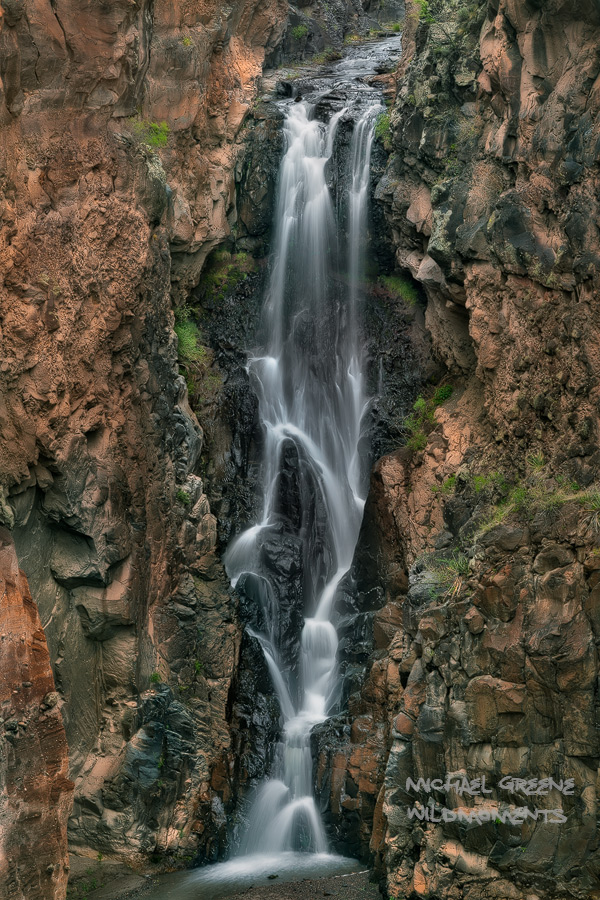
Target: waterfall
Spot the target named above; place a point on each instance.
(309, 383)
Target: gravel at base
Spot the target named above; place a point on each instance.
(343, 887)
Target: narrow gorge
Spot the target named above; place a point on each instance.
(299, 454)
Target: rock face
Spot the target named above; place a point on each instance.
(35, 792)
(485, 533)
(119, 128)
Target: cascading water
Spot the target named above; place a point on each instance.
(309, 383)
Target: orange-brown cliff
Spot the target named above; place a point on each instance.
(35, 791)
(101, 231)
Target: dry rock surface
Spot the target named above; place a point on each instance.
(36, 794)
(119, 128)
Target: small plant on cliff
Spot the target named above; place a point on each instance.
(329, 54)
(224, 272)
(449, 485)
(424, 11)
(299, 32)
(155, 678)
(536, 461)
(153, 134)
(183, 497)
(187, 41)
(401, 288)
(383, 131)
(423, 416)
(189, 347)
(592, 507)
(199, 666)
(443, 393)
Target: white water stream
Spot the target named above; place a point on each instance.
(309, 380)
(311, 395)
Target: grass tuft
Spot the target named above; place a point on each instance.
(401, 288)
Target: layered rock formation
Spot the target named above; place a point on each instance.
(486, 529)
(35, 792)
(477, 572)
(119, 125)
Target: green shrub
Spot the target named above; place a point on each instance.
(424, 10)
(155, 678)
(417, 441)
(187, 41)
(442, 394)
(396, 27)
(449, 485)
(299, 32)
(183, 497)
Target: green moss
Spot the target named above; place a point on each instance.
(401, 288)
(153, 134)
(383, 131)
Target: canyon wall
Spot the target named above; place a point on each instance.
(483, 551)
(35, 791)
(119, 126)
(124, 128)
(476, 578)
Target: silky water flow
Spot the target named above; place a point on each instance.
(309, 380)
(310, 386)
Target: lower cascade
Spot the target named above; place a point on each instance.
(310, 385)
